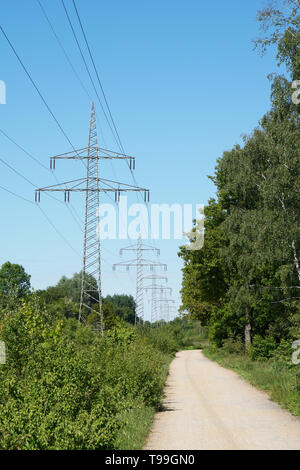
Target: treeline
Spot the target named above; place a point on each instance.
(62, 300)
(244, 283)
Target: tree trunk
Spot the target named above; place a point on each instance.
(247, 336)
(296, 260)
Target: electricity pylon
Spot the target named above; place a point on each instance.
(164, 304)
(173, 311)
(140, 263)
(155, 289)
(154, 277)
(92, 186)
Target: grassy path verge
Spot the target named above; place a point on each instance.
(139, 420)
(281, 382)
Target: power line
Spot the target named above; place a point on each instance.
(69, 206)
(100, 84)
(23, 150)
(40, 94)
(46, 168)
(45, 215)
(63, 49)
(50, 24)
(87, 69)
(47, 218)
(97, 75)
(36, 87)
(45, 102)
(18, 173)
(58, 232)
(140, 263)
(31, 202)
(35, 186)
(17, 195)
(118, 140)
(120, 146)
(42, 98)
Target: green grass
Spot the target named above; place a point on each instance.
(134, 434)
(138, 421)
(279, 381)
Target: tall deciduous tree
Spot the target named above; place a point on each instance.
(14, 281)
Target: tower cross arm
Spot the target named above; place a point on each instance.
(97, 185)
(92, 153)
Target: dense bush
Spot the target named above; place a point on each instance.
(165, 338)
(65, 387)
(233, 346)
(262, 348)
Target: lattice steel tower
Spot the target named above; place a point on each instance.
(139, 282)
(91, 264)
(140, 263)
(92, 185)
(156, 289)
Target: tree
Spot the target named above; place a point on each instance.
(71, 287)
(14, 283)
(257, 185)
(203, 282)
(279, 23)
(123, 306)
(63, 300)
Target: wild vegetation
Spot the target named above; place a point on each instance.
(64, 386)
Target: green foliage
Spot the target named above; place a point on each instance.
(121, 335)
(122, 306)
(279, 22)
(63, 300)
(133, 434)
(164, 338)
(262, 348)
(203, 280)
(223, 324)
(233, 346)
(71, 287)
(66, 387)
(14, 285)
(283, 354)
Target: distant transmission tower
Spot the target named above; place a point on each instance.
(92, 185)
(140, 263)
(154, 304)
(173, 311)
(156, 289)
(164, 304)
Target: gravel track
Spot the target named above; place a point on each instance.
(210, 407)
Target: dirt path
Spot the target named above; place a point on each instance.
(209, 407)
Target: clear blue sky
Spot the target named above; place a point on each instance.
(183, 83)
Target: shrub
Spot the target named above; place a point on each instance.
(66, 387)
(262, 348)
(233, 346)
(223, 324)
